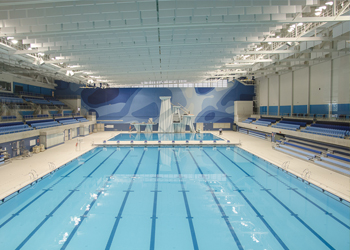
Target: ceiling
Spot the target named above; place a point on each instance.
(129, 42)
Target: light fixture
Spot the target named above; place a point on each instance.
(269, 43)
(300, 24)
(41, 54)
(289, 44)
(69, 73)
(329, 3)
(41, 61)
(10, 38)
(14, 41)
(317, 13)
(257, 49)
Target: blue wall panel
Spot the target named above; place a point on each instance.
(341, 109)
(263, 110)
(273, 110)
(319, 109)
(300, 109)
(285, 110)
(33, 89)
(137, 105)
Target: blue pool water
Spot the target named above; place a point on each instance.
(165, 137)
(172, 198)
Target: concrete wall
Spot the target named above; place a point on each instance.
(322, 88)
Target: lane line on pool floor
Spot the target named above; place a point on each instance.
(60, 204)
(258, 214)
(154, 212)
(295, 191)
(283, 205)
(188, 211)
(224, 216)
(45, 191)
(92, 203)
(119, 216)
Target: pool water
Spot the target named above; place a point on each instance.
(172, 198)
(165, 137)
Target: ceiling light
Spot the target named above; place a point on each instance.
(300, 24)
(41, 61)
(269, 43)
(258, 49)
(14, 41)
(329, 3)
(29, 48)
(278, 37)
(69, 73)
(41, 54)
(323, 7)
(317, 13)
(10, 38)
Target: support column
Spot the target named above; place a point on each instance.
(279, 94)
(308, 92)
(166, 116)
(268, 96)
(292, 102)
(330, 105)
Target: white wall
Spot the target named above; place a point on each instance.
(300, 91)
(73, 103)
(263, 88)
(286, 89)
(242, 110)
(341, 80)
(274, 90)
(328, 82)
(320, 83)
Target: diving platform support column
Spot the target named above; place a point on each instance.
(188, 120)
(166, 116)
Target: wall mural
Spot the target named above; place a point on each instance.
(137, 105)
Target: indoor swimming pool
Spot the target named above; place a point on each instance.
(165, 137)
(184, 198)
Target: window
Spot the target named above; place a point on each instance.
(5, 86)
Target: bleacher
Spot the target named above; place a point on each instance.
(289, 125)
(249, 120)
(39, 124)
(319, 154)
(10, 98)
(264, 122)
(326, 132)
(8, 118)
(66, 121)
(36, 100)
(13, 127)
(81, 119)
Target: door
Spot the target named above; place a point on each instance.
(199, 126)
(66, 135)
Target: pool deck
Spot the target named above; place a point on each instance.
(15, 175)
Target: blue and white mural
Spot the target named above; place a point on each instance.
(137, 105)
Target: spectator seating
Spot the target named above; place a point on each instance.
(326, 132)
(81, 119)
(19, 127)
(66, 121)
(39, 101)
(10, 98)
(42, 116)
(264, 122)
(249, 120)
(8, 118)
(329, 126)
(39, 124)
(288, 126)
(318, 154)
